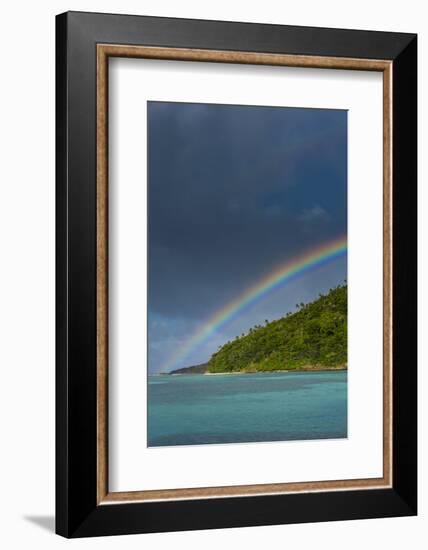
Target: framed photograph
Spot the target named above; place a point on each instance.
(236, 274)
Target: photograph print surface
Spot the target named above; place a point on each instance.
(247, 265)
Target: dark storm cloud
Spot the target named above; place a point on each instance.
(234, 191)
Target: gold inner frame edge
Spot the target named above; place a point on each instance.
(104, 51)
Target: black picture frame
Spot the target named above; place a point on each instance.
(77, 512)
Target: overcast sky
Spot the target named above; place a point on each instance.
(233, 192)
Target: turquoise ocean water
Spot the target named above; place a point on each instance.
(198, 409)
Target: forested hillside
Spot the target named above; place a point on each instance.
(313, 337)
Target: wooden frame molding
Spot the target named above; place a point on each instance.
(104, 52)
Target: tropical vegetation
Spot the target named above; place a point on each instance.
(312, 337)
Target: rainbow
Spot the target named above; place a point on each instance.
(274, 280)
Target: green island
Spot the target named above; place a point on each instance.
(314, 337)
